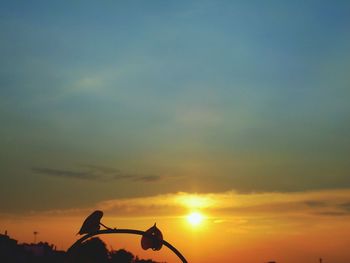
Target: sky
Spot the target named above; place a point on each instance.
(129, 106)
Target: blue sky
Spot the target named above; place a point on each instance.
(136, 98)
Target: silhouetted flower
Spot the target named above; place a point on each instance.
(152, 239)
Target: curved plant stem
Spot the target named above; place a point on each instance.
(125, 231)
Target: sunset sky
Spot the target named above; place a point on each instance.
(152, 110)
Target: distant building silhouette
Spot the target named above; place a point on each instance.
(12, 252)
(8, 249)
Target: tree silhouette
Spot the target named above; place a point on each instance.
(121, 256)
(92, 251)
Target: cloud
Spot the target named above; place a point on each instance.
(97, 173)
(227, 207)
(228, 204)
(333, 213)
(65, 173)
(345, 206)
(148, 178)
(313, 203)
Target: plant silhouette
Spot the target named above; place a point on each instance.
(152, 238)
(93, 250)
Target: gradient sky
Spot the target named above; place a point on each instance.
(118, 100)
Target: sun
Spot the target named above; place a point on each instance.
(195, 218)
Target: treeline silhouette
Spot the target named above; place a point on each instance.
(93, 250)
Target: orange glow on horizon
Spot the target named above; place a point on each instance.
(194, 201)
(223, 227)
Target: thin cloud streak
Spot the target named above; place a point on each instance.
(95, 173)
(313, 203)
(148, 178)
(221, 206)
(65, 173)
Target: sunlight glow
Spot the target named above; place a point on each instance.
(194, 200)
(195, 218)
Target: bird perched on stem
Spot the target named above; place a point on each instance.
(92, 223)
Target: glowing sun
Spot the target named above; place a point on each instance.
(195, 218)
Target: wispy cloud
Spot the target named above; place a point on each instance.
(65, 173)
(345, 206)
(148, 178)
(223, 207)
(313, 203)
(98, 173)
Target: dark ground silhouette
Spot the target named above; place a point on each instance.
(93, 250)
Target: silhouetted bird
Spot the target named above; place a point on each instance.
(92, 223)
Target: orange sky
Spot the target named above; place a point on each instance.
(151, 110)
(286, 227)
